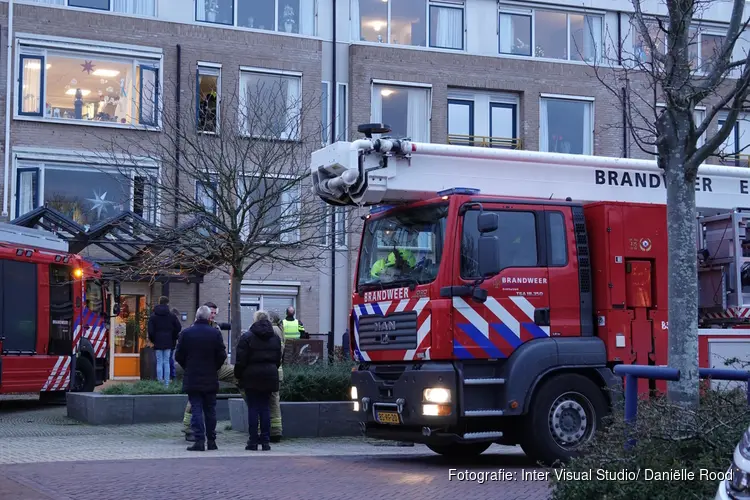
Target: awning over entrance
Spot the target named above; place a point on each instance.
(126, 245)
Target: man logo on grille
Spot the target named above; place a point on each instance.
(385, 326)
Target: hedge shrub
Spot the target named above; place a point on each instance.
(668, 438)
(318, 382)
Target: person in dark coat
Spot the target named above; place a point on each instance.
(163, 330)
(200, 353)
(257, 371)
(172, 371)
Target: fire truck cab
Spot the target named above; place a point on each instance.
(54, 316)
(495, 313)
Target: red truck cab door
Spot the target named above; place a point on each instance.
(517, 308)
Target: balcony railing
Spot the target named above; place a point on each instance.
(485, 141)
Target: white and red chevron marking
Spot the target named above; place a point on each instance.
(59, 377)
(389, 307)
(733, 313)
(99, 338)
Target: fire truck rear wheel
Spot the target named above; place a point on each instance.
(566, 411)
(85, 376)
(460, 450)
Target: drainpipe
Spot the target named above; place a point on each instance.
(8, 85)
(334, 92)
(178, 110)
(624, 122)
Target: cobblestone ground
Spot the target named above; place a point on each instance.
(44, 455)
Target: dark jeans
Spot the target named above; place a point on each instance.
(204, 407)
(171, 366)
(258, 406)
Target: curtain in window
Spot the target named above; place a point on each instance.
(200, 12)
(341, 102)
(136, 7)
(592, 38)
(416, 118)
(506, 34)
(543, 126)
(449, 28)
(377, 105)
(288, 208)
(26, 201)
(292, 107)
(355, 23)
(32, 86)
(586, 132)
(50, 2)
(307, 17)
(124, 108)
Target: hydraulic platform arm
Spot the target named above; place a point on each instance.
(370, 171)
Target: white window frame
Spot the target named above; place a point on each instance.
(342, 123)
(37, 46)
(582, 99)
(482, 110)
(743, 117)
(209, 69)
(326, 108)
(110, 9)
(531, 13)
(271, 72)
(395, 83)
(42, 160)
(298, 236)
(338, 213)
(235, 22)
(707, 29)
(452, 4)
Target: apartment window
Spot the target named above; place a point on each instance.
(286, 16)
(215, 11)
(406, 109)
(409, 22)
(205, 193)
(735, 148)
(703, 43)
(341, 113)
(325, 113)
(270, 104)
(88, 87)
(275, 209)
(487, 119)
(698, 117)
(87, 194)
(90, 4)
(550, 34)
(566, 126)
(340, 234)
(208, 90)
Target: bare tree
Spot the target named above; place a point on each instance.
(234, 191)
(660, 82)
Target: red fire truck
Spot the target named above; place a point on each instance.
(54, 316)
(496, 315)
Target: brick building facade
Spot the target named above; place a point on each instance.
(445, 71)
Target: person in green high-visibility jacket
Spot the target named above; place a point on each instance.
(381, 265)
(293, 328)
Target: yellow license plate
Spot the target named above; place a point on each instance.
(388, 417)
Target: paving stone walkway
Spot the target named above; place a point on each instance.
(44, 455)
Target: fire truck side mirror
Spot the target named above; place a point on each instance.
(487, 222)
(489, 256)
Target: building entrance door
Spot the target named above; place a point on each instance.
(130, 335)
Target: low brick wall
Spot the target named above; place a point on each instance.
(324, 419)
(103, 409)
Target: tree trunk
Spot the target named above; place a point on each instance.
(235, 311)
(683, 285)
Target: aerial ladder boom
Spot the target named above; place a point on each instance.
(388, 171)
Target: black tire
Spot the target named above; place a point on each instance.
(568, 409)
(84, 379)
(460, 450)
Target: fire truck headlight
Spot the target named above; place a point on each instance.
(437, 395)
(354, 393)
(78, 272)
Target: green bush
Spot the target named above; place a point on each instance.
(145, 387)
(318, 382)
(669, 438)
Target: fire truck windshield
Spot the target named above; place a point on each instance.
(94, 298)
(402, 249)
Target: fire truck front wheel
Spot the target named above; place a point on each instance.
(85, 376)
(566, 411)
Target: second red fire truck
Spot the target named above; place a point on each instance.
(54, 316)
(494, 312)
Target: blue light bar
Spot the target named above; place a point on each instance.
(458, 190)
(379, 208)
